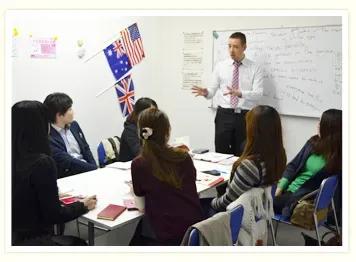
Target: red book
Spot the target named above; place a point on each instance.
(216, 181)
(111, 212)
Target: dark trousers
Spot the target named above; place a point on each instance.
(48, 240)
(139, 239)
(230, 131)
(208, 211)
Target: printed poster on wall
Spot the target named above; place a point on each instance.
(43, 47)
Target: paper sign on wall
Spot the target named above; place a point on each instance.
(43, 47)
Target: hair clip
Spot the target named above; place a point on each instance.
(146, 132)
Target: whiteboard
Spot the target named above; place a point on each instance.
(302, 66)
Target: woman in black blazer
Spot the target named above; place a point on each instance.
(35, 201)
(130, 142)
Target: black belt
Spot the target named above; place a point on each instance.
(231, 110)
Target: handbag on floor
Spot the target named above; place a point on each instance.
(302, 215)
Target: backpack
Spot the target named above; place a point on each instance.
(108, 151)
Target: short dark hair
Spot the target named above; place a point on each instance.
(29, 130)
(57, 103)
(239, 35)
(140, 105)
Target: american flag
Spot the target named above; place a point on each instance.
(126, 95)
(133, 44)
(119, 63)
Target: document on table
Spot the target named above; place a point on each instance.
(212, 157)
(121, 165)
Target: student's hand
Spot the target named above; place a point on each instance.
(233, 92)
(199, 91)
(90, 202)
(278, 191)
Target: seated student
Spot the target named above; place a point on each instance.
(165, 176)
(130, 142)
(263, 159)
(35, 202)
(319, 158)
(69, 148)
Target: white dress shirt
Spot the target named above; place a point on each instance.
(71, 143)
(250, 83)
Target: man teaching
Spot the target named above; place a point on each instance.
(238, 82)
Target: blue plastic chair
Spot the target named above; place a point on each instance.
(323, 199)
(235, 224)
(101, 155)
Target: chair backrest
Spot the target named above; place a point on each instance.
(108, 150)
(236, 216)
(235, 222)
(326, 193)
(193, 237)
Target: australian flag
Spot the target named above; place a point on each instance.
(117, 58)
(126, 95)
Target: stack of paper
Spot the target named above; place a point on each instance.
(229, 161)
(120, 165)
(212, 157)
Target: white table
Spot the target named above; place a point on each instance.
(109, 186)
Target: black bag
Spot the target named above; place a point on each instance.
(334, 240)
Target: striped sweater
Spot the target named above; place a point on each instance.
(246, 176)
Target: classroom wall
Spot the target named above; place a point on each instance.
(100, 117)
(158, 76)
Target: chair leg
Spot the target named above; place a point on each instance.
(78, 230)
(335, 218)
(275, 234)
(316, 228)
(272, 232)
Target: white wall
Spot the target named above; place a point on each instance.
(159, 76)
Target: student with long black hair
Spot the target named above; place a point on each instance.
(319, 158)
(35, 201)
(130, 141)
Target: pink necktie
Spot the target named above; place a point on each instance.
(235, 84)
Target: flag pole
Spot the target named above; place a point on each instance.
(106, 89)
(101, 50)
(93, 56)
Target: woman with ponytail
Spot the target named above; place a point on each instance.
(165, 176)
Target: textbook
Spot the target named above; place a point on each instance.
(209, 180)
(111, 212)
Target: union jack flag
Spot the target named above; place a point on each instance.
(133, 44)
(118, 48)
(126, 95)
